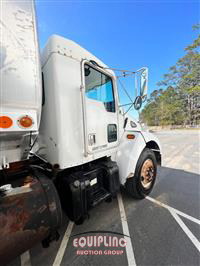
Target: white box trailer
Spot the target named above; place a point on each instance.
(20, 72)
(64, 139)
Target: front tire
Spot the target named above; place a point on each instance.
(141, 184)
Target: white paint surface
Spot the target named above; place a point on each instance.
(186, 230)
(25, 259)
(175, 213)
(63, 245)
(191, 218)
(129, 247)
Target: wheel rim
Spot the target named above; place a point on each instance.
(147, 173)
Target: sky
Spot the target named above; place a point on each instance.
(124, 34)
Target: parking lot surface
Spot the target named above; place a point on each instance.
(164, 228)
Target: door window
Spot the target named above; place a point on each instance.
(99, 87)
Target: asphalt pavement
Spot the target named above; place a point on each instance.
(164, 228)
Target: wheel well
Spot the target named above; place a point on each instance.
(155, 148)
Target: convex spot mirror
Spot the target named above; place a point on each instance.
(138, 103)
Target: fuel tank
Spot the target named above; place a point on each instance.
(30, 212)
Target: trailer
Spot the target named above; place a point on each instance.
(66, 144)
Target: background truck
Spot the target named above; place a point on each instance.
(64, 138)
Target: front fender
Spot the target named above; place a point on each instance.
(128, 154)
(149, 137)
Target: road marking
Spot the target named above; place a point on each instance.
(63, 244)
(174, 212)
(186, 230)
(195, 220)
(129, 247)
(25, 259)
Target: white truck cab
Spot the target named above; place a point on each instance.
(81, 118)
(65, 141)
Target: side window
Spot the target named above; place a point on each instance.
(112, 132)
(98, 86)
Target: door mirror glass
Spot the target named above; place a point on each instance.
(138, 103)
(144, 83)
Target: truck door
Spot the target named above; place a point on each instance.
(101, 119)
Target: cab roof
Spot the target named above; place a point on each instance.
(66, 47)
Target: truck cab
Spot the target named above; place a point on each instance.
(82, 120)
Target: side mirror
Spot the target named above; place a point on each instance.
(144, 83)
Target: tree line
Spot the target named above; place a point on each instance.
(176, 101)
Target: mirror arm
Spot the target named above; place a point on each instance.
(125, 75)
(125, 105)
(129, 108)
(125, 91)
(136, 85)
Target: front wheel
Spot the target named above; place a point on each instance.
(141, 184)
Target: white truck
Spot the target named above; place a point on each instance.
(64, 138)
